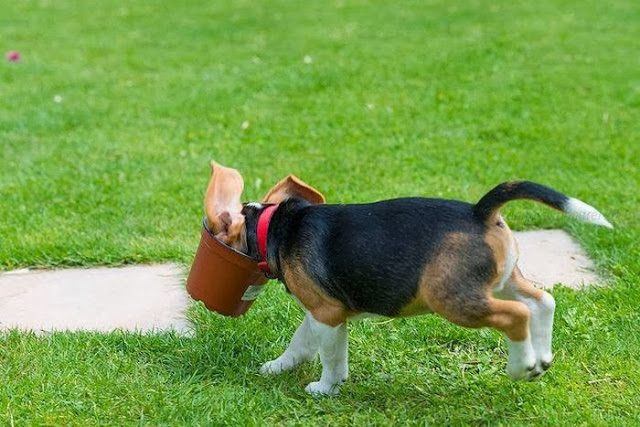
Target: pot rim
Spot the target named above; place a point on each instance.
(205, 225)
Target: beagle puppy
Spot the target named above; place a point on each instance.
(400, 257)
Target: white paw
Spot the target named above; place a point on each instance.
(274, 367)
(545, 360)
(318, 389)
(285, 362)
(532, 370)
(529, 370)
(519, 371)
(543, 365)
(522, 361)
(522, 368)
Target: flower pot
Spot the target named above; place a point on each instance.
(225, 280)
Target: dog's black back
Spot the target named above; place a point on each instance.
(371, 256)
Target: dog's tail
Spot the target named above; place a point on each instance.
(513, 190)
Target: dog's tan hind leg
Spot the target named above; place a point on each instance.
(542, 307)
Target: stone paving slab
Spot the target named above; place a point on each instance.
(135, 298)
(148, 298)
(553, 256)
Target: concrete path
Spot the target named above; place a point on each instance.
(153, 298)
(135, 298)
(552, 256)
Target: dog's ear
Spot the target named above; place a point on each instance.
(292, 186)
(223, 206)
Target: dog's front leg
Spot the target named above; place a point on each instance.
(303, 347)
(334, 358)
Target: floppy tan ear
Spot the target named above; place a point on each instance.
(292, 186)
(223, 206)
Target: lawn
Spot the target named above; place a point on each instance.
(108, 123)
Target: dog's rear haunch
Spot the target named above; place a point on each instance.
(399, 257)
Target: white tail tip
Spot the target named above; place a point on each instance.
(584, 212)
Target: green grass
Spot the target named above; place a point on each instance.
(415, 98)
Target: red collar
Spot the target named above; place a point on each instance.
(263, 229)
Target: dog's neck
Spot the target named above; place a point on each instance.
(277, 232)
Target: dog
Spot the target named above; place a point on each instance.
(395, 258)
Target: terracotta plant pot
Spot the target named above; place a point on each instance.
(225, 280)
